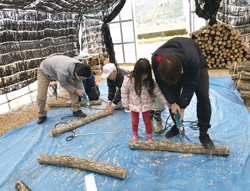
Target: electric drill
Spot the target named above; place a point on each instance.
(179, 123)
(55, 90)
(86, 101)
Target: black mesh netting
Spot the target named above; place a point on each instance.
(31, 31)
(237, 14)
(207, 9)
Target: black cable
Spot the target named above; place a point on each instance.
(57, 123)
(69, 138)
(193, 125)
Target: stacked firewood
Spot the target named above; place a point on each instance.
(240, 74)
(221, 45)
(93, 62)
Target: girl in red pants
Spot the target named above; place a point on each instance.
(136, 89)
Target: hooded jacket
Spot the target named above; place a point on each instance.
(192, 59)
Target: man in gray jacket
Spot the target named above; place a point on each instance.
(69, 72)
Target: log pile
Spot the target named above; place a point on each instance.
(221, 45)
(93, 62)
(240, 74)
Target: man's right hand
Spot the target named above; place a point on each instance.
(80, 92)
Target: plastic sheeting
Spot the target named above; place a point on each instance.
(146, 170)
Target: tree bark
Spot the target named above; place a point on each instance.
(245, 94)
(84, 164)
(243, 75)
(97, 102)
(178, 147)
(243, 85)
(83, 121)
(21, 186)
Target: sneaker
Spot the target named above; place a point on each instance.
(206, 141)
(135, 136)
(149, 137)
(79, 113)
(41, 120)
(172, 132)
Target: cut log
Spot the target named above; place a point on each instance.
(178, 147)
(234, 77)
(245, 94)
(84, 164)
(243, 85)
(243, 75)
(242, 67)
(51, 105)
(21, 186)
(83, 121)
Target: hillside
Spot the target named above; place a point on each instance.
(149, 11)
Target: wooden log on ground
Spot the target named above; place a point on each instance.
(84, 164)
(243, 85)
(51, 105)
(21, 186)
(245, 94)
(83, 121)
(177, 147)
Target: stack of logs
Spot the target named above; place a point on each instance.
(221, 45)
(240, 74)
(93, 62)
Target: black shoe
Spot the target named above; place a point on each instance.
(79, 113)
(172, 132)
(41, 120)
(206, 141)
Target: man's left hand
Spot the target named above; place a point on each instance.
(53, 83)
(181, 113)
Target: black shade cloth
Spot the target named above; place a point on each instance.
(31, 31)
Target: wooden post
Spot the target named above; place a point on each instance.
(97, 102)
(68, 127)
(21, 186)
(84, 164)
(178, 147)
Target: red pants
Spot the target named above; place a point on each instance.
(146, 119)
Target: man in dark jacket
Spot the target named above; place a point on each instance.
(114, 77)
(91, 88)
(180, 70)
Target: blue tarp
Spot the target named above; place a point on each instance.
(145, 170)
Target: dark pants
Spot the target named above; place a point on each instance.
(203, 101)
(92, 92)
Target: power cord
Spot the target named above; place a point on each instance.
(69, 138)
(193, 125)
